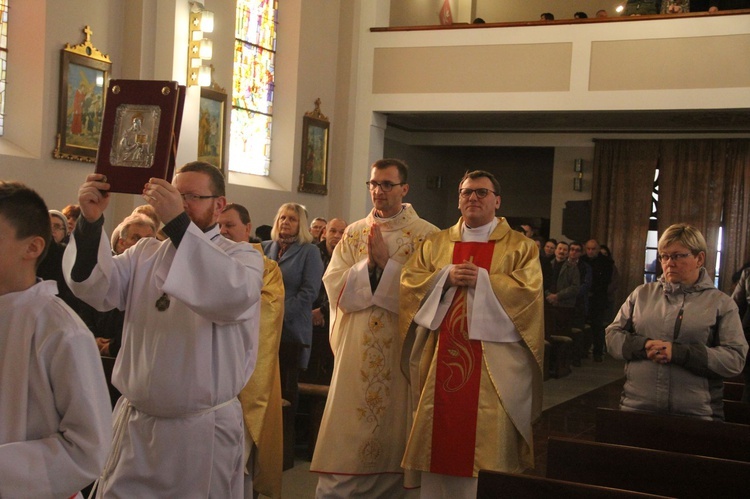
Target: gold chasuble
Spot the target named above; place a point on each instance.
(261, 396)
(364, 425)
(474, 401)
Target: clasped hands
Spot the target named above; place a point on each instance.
(658, 351)
(463, 274)
(377, 250)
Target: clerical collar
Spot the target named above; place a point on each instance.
(481, 233)
(381, 219)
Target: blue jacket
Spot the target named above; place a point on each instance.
(302, 270)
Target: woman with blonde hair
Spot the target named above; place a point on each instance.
(679, 335)
(302, 270)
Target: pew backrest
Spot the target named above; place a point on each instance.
(646, 470)
(495, 484)
(673, 433)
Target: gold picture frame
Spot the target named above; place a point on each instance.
(313, 177)
(84, 76)
(212, 127)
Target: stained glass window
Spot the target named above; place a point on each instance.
(3, 58)
(252, 89)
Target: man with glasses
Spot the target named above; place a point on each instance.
(471, 315)
(363, 431)
(189, 341)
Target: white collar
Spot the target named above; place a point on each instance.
(478, 234)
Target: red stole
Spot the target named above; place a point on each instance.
(458, 373)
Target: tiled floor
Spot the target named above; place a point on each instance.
(569, 405)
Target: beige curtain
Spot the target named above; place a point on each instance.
(691, 188)
(623, 180)
(736, 237)
(700, 182)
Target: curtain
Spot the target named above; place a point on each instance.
(736, 236)
(701, 182)
(623, 180)
(691, 188)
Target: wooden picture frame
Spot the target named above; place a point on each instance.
(313, 177)
(84, 77)
(212, 127)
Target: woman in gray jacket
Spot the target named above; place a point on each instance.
(680, 335)
(741, 297)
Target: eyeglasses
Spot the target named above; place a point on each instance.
(58, 227)
(675, 257)
(195, 197)
(384, 186)
(481, 193)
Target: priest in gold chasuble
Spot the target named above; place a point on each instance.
(472, 320)
(364, 427)
(261, 396)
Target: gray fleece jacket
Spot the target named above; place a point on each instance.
(707, 345)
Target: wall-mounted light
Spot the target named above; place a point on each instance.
(578, 179)
(200, 48)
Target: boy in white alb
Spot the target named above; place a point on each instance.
(55, 413)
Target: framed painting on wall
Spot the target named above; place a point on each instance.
(84, 76)
(211, 127)
(313, 177)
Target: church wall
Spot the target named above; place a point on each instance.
(147, 39)
(389, 60)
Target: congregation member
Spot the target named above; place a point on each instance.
(71, 212)
(301, 268)
(322, 371)
(549, 249)
(741, 297)
(680, 336)
(717, 5)
(471, 313)
(235, 224)
(55, 414)
(50, 268)
(189, 340)
(130, 231)
(364, 427)
(59, 223)
(261, 396)
(580, 310)
(148, 211)
(318, 229)
(560, 294)
(575, 251)
(602, 271)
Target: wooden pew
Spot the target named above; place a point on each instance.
(733, 390)
(494, 484)
(736, 412)
(673, 433)
(646, 470)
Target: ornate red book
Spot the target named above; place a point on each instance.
(140, 132)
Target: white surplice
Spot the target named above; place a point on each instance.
(180, 369)
(55, 413)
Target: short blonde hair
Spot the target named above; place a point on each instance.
(303, 236)
(686, 235)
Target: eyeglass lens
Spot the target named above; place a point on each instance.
(466, 192)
